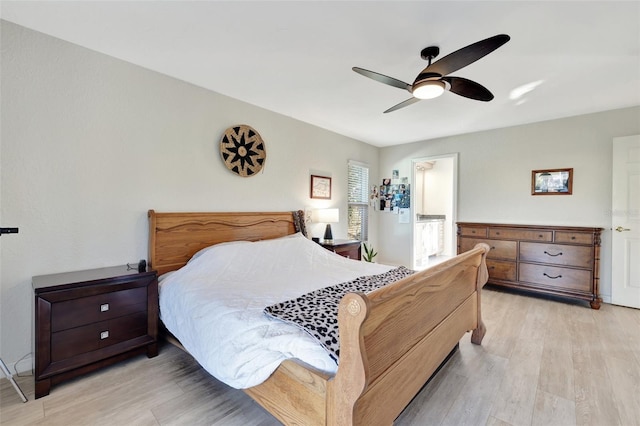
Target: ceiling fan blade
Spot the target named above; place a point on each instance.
(383, 78)
(402, 104)
(467, 55)
(468, 89)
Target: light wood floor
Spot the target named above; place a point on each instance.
(542, 362)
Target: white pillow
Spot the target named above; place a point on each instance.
(204, 250)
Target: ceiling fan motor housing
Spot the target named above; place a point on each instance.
(428, 53)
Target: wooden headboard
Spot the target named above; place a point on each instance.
(175, 237)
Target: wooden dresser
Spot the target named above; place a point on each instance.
(557, 260)
(351, 249)
(85, 320)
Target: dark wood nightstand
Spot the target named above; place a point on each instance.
(86, 320)
(351, 249)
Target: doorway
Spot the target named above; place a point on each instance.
(435, 193)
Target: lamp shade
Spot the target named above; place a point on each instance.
(428, 89)
(326, 215)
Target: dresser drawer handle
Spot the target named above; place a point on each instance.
(104, 335)
(104, 307)
(553, 278)
(552, 255)
(540, 236)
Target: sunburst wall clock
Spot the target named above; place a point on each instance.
(242, 150)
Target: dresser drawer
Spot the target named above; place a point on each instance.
(521, 234)
(553, 276)
(469, 231)
(501, 270)
(574, 237)
(69, 343)
(498, 249)
(558, 254)
(87, 310)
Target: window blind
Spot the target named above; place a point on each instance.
(358, 201)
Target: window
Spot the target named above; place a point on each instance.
(358, 201)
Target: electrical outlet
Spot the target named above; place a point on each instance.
(307, 215)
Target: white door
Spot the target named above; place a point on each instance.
(625, 222)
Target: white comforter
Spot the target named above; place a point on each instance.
(214, 305)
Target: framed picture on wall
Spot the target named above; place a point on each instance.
(321, 187)
(552, 182)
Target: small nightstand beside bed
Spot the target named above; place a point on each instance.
(392, 339)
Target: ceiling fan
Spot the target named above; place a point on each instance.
(435, 80)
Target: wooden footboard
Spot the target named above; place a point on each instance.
(296, 394)
(391, 341)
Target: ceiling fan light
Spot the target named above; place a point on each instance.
(428, 89)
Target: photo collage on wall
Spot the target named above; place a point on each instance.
(394, 194)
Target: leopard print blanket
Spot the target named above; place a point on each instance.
(317, 312)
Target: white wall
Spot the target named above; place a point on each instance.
(438, 179)
(494, 182)
(90, 143)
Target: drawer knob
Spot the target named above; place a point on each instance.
(552, 255)
(104, 307)
(104, 335)
(553, 278)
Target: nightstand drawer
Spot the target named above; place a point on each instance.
(352, 252)
(69, 343)
(87, 310)
(345, 248)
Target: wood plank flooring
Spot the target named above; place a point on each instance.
(542, 362)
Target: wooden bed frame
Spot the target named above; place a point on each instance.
(391, 340)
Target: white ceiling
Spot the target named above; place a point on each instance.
(295, 57)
